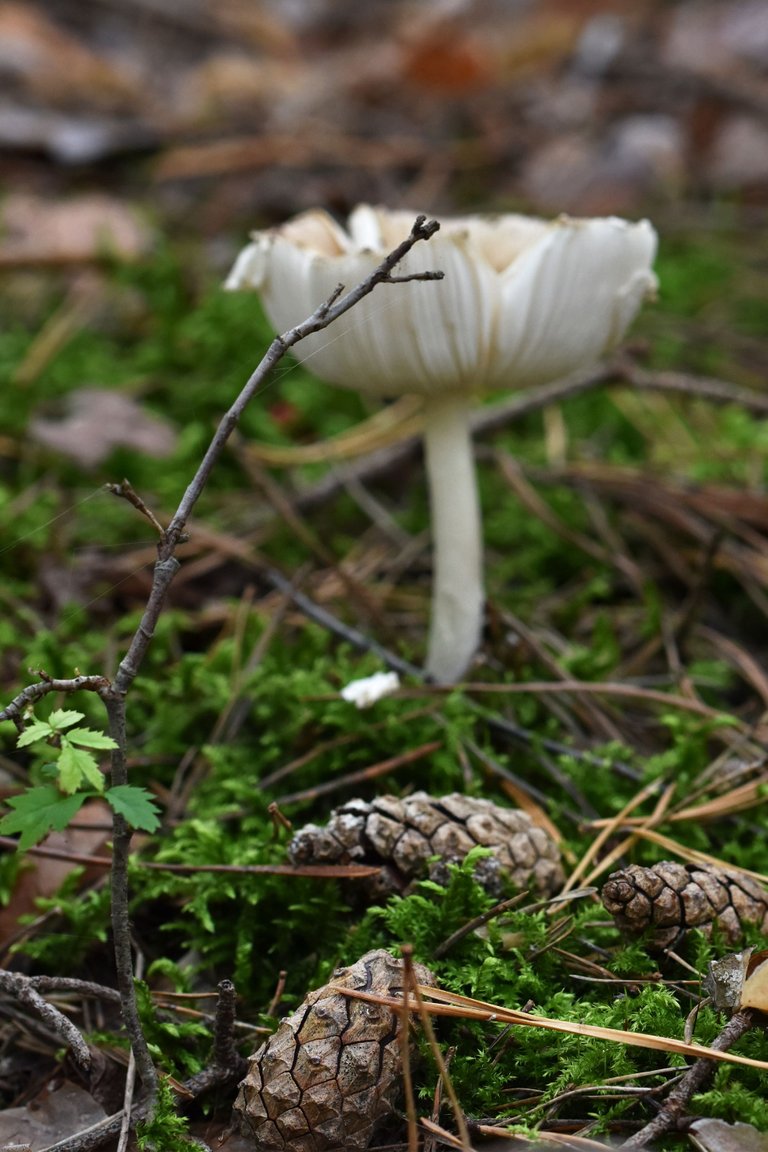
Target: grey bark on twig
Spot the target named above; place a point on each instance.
(22, 989)
(695, 1080)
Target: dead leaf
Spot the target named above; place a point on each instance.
(53, 1115)
(718, 1136)
(51, 65)
(256, 26)
(231, 84)
(40, 231)
(71, 138)
(446, 59)
(100, 420)
(754, 993)
(739, 154)
(44, 875)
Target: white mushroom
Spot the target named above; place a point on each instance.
(523, 302)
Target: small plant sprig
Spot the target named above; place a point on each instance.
(75, 777)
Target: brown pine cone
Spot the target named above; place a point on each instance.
(402, 835)
(670, 898)
(331, 1071)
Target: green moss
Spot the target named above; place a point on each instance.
(166, 1129)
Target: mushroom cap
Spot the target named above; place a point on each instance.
(523, 300)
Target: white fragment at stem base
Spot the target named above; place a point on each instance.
(363, 693)
(457, 545)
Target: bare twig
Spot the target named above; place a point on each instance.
(114, 694)
(127, 492)
(277, 995)
(22, 989)
(130, 1081)
(490, 418)
(104, 1131)
(669, 1117)
(364, 774)
(619, 372)
(331, 310)
(320, 871)
(322, 317)
(601, 688)
(130, 1087)
(34, 692)
(352, 635)
(225, 1053)
(226, 1065)
(685, 384)
(70, 984)
(477, 922)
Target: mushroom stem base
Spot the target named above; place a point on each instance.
(457, 598)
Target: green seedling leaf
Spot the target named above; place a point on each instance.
(136, 805)
(40, 730)
(44, 729)
(60, 718)
(75, 765)
(88, 738)
(37, 811)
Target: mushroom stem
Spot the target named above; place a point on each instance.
(457, 565)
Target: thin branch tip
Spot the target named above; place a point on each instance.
(436, 275)
(326, 306)
(424, 229)
(126, 491)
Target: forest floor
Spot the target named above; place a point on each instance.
(621, 689)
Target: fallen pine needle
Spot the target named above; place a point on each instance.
(464, 1007)
(695, 857)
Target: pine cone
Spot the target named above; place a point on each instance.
(670, 898)
(402, 835)
(331, 1071)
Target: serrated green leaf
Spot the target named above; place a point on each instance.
(70, 769)
(60, 718)
(39, 730)
(37, 811)
(91, 771)
(136, 805)
(75, 765)
(88, 738)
